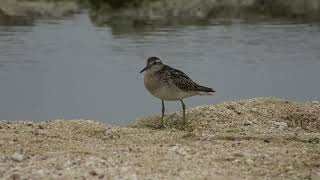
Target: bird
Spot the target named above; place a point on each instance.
(170, 84)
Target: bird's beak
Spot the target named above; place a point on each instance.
(147, 67)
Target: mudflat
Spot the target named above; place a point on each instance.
(261, 138)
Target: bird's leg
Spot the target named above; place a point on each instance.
(163, 109)
(184, 110)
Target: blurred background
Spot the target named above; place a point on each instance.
(81, 59)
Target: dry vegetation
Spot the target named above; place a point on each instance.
(261, 138)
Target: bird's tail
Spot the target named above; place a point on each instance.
(202, 90)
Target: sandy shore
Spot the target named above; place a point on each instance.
(262, 138)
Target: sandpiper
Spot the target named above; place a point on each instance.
(169, 84)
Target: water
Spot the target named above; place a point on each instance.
(71, 69)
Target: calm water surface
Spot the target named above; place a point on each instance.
(71, 69)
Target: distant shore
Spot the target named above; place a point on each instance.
(261, 138)
(146, 12)
(137, 12)
(35, 9)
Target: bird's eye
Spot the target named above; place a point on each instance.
(153, 63)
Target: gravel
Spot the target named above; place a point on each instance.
(261, 138)
(18, 157)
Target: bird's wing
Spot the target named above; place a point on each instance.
(179, 79)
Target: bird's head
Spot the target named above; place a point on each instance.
(152, 63)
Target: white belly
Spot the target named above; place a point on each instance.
(170, 93)
(164, 90)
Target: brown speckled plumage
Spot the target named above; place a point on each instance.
(170, 84)
(180, 79)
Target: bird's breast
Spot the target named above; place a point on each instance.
(151, 82)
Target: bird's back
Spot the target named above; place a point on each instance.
(181, 80)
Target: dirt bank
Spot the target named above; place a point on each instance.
(261, 138)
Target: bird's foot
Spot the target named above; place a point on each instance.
(184, 125)
(160, 124)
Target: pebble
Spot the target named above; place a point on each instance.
(15, 177)
(238, 154)
(176, 152)
(281, 125)
(237, 111)
(101, 176)
(315, 102)
(41, 172)
(28, 123)
(18, 157)
(243, 154)
(236, 161)
(40, 126)
(249, 161)
(266, 140)
(93, 173)
(247, 123)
